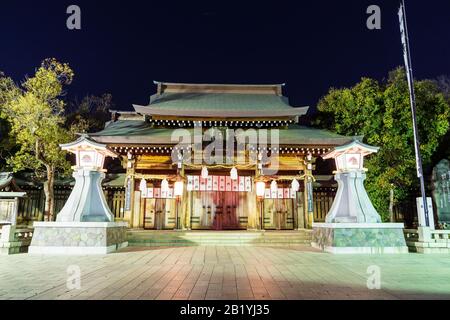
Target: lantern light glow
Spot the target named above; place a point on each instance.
(260, 189)
(179, 188)
(165, 185)
(274, 186)
(234, 174)
(205, 173)
(143, 186)
(295, 185)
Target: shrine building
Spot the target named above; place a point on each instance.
(217, 157)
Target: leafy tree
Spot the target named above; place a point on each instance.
(7, 143)
(381, 113)
(35, 113)
(92, 111)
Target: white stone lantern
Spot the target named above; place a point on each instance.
(352, 204)
(87, 202)
(353, 225)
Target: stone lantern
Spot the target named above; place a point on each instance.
(87, 202)
(85, 225)
(353, 225)
(352, 204)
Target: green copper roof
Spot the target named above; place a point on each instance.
(141, 133)
(220, 105)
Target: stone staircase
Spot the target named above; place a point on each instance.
(141, 238)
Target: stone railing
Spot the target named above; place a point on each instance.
(14, 239)
(425, 240)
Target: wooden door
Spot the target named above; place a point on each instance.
(278, 214)
(231, 218)
(149, 214)
(215, 211)
(219, 212)
(160, 214)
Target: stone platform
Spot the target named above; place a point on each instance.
(359, 238)
(78, 238)
(425, 240)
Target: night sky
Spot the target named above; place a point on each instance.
(125, 45)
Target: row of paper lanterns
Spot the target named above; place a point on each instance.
(179, 185)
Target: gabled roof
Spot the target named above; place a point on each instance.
(8, 183)
(141, 133)
(220, 102)
(355, 146)
(84, 143)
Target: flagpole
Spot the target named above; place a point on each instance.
(409, 73)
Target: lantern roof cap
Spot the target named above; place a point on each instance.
(85, 143)
(355, 146)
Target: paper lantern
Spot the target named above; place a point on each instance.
(165, 186)
(274, 186)
(295, 185)
(234, 174)
(205, 173)
(178, 189)
(260, 189)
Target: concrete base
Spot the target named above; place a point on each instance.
(359, 238)
(14, 240)
(428, 241)
(428, 248)
(10, 248)
(78, 238)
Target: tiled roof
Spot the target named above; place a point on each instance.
(141, 132)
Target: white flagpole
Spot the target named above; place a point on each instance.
(409, 73)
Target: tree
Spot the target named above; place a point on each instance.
(381, 113)
(8, 92)
(92, 111)
(35, 113)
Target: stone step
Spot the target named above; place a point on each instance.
(217, 238)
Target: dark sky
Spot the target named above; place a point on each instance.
(310, 45)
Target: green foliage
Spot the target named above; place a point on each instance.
(35, 112)
(91, 113)
(381, 112)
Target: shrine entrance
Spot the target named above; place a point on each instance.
(218, 210)
(160, 214)
(278, 214)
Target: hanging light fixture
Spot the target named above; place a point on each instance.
(234, 174)
(143, 186)
(178, 189)
(295, 185)
(165, 186)
(260, 189)
(274, 186)
(205, 173)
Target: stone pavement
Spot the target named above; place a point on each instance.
(233, 273)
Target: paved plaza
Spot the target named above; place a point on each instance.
(244, 273)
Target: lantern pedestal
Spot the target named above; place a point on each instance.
(87, 201)
(78, 238)
(359, 238)
(352, 204)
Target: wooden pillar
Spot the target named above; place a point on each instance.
(129, 193)
(187, 208)
(253, 211)
(308, 199)
(137, 210)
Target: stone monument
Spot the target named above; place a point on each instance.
(353, 225)
(441, 192)
(85, 225)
